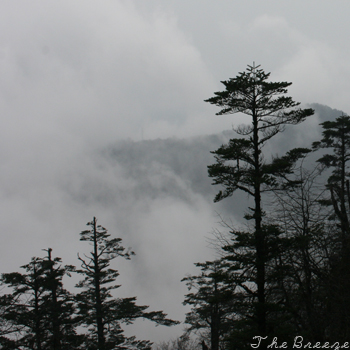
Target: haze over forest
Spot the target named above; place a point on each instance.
(156, 195)
(103, 115)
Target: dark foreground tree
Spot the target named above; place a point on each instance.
(213, 305)
(304, 261)
(60, 306)
(39, 310)
(98, 310)
(241, 165)
(336, 137)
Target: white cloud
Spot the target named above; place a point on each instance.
(98, 71)
(316, 67)
(319, 74)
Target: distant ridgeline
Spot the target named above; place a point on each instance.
(178, 167)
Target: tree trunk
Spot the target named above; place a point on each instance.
(259, 234)
(98, 302)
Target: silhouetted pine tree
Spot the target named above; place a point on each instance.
(336, 136)
(240, 164)
(98, 310)
(213, 305)
(40, 309)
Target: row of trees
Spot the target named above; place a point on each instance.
(286, 273)
(39, 313)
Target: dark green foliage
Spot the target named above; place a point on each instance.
(234, 169)
(241, 164)
(336, 136)
(39, 311)
(297, 270)
(304, 266)
(241, 257)
(240, 161)
(39, 314)
(61, 306)
(98, 310)
(250, 93)
(213, 302)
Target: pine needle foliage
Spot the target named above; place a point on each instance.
(241, 164)
(99, 311)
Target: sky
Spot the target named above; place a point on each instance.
(81, 78)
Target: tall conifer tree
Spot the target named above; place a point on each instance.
(241, 165)
(336, 137)
(41, 310)
(99, 311)
(212, 303)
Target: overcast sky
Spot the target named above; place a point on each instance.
(78, 76)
